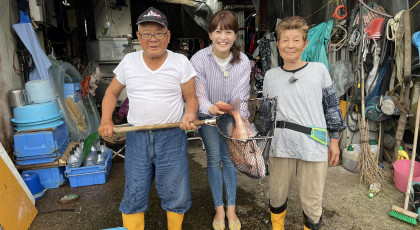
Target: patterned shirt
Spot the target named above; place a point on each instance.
(213, 85)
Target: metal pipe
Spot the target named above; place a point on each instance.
(293, 7)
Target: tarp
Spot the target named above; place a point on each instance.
(318, 37)
(26, 33)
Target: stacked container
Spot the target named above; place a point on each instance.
(41, 146)
(40, 110)
(33, 147)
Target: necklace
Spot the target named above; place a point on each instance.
(293, 79)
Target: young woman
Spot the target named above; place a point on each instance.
(306, 99)
(223, 73)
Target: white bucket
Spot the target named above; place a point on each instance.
(39, 91)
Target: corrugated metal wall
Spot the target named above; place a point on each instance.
(9, 78)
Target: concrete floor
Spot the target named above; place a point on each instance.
(346, 204)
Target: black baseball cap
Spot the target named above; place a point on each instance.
(152, 15)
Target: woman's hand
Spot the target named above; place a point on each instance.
(214, 110)
(333, 152)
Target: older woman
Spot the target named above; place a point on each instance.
(223, 73)
(306, 99)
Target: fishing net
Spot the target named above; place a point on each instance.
(250, 156)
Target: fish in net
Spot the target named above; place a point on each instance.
(248, 141)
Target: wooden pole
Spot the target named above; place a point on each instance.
(125, 128)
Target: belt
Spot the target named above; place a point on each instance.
(293, 126)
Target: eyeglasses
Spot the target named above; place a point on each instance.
(148, 36)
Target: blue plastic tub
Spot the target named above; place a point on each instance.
(41, 142)
(89, 175)
(50, 177)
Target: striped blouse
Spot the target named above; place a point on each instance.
(213, 85)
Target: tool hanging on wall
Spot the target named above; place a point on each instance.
(335, 15)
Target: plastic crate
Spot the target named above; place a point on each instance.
(89, 175)
(50, 177)
(73, 90)
(46, 158)
(41, 142)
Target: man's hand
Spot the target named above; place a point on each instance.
(333, 152)
(187, 121)
(106, 128)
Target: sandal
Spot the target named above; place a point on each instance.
(219, 225)
(235, 225)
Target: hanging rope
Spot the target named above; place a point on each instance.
(391, 30)
(335, 47)
(354, 39)
(392, 26)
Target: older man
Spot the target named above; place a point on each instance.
(158, 83)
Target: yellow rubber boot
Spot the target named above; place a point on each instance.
(277, 220)
(174, 220)
(133, 221)
(305, 228)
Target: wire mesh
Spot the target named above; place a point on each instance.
(250, 156)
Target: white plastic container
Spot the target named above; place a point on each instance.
(350, 155)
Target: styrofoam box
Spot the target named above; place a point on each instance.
(109, 49)
(41, 142)
(89, 175)
(50, 177)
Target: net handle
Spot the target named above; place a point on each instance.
(126, 128)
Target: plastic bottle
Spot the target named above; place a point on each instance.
(103, 149)
(402, 154)
(73, 161)
(101, 157)
(82, 143)
(97, 145)
(91, 158)
(77, 150)
(79, 153)
(374, 189)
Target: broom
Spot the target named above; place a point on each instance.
(397, 212)
(368, 170)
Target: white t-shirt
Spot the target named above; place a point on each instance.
(155, 97)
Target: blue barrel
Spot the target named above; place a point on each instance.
(33, 182)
